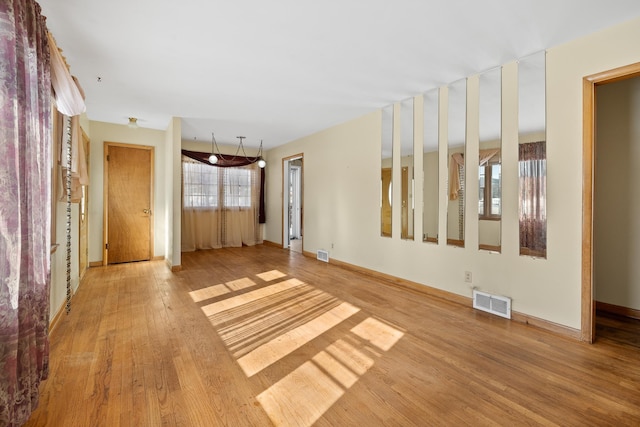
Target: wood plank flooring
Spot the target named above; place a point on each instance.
(261, 336)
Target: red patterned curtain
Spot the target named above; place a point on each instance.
(532, 161)
(25, 185)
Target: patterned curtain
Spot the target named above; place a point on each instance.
(532, 162)
(25, 185)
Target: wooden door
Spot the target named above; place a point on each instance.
(128, 181)
(386, 202)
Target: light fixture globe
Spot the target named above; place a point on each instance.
(216, 156)
(213, 159)
(261, 162)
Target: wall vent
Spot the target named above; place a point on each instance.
(495, 304)
(323, 255)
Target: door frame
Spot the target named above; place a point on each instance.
(105, 193)
(297, 199)
(285, 198)
(589, 83)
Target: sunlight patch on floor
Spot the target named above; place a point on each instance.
(260, 327)
(378, 333)
(271, 275)
(305, 394)
(208, 292)
(236, 285)
(245, 328)
(276, 349)
(356, 360)
(300, 398)
(239, 300)
(340, 373)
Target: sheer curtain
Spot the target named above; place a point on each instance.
(532, 161)
(70, 104)
(220, 206)
(25, 185)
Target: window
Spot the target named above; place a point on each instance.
(489, 197)
(237, 187)
(204, 186)
(200, 185)
(222, 205)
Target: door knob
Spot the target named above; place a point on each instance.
(147, 211)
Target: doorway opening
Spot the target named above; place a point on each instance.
(293, 196)
(592, 199)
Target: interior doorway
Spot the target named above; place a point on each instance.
(293, 196)
(591, 195)
(128, 188)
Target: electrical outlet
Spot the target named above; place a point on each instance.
(467, 277)
(331, 245)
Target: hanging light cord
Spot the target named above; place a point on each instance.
(218, 155)
(214, 145)
(214, 148)
(240, 146)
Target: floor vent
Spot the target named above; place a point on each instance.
(497, 305)
(323, 255)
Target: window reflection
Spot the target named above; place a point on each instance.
(490, 165)
(386, 148)
(406, 163)
(532, 165)
(430, 162)
(457, 130)
(532, 158)
(490, 180)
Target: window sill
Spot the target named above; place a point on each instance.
(489, 218)
(533, 253)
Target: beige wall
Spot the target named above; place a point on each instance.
(489, 232)
(342, 189)
(617, 200)
(58, 288)
(101, 132)
(342, 173)
(166, 197)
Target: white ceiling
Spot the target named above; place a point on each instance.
(283, 69)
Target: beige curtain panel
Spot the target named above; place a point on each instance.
(219, 206)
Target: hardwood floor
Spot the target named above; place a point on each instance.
(261, 336)
(618, 330)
